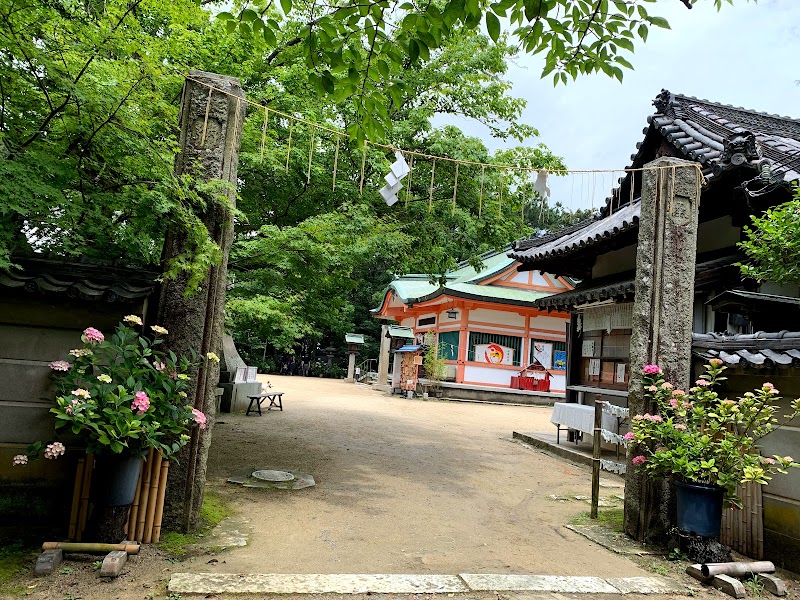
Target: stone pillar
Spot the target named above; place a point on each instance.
(351, 367)
(211, 125)
(662, 314)
(383, 358)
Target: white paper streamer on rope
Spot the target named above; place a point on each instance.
(615, 316)
(617, 411)
(613, 438)
(613, 467)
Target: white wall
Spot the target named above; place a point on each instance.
(485, 315)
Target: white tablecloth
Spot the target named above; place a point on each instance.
(580, 417)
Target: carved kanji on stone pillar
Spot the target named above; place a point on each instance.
(211, 118)
(662, 313)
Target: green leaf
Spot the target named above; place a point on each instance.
(659, 22)
(286, 5)
(413, 51)
(493, 26)
(269, 37)
(248, 14)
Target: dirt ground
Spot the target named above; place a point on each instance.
(402, 486)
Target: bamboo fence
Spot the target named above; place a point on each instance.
(743, 530)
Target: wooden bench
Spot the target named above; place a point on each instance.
(275, 400)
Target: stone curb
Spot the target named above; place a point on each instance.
(280, 583)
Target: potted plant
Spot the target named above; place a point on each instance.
(118, 398)
(706, 444)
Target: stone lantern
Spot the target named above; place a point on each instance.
(354, 342)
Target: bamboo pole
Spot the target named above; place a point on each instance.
(144, 496)
(155, 474)
(91, 547)
(86, 485)
(130, 528)
(162, 488)
(76, 498)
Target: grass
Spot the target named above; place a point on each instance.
(14, 559)
(213, 511)
(613, 518)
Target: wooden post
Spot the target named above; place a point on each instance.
(596, 436)
(76, 499)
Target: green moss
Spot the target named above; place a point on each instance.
(213, 511)
(613, 518)
(14, 559)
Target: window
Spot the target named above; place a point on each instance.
(426, 321)
(448, 345)
(552, 354)
(507, 348)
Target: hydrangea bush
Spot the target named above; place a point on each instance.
(122, 395)
(696, 436)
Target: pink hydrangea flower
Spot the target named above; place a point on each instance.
(68, 410)
(728, 402)
(680, 427)
(20, 459)
(716, 362)
(652, 388)
(93, 335)
(638, 460)
(54, 450)
(788, 459)
(173, 374)
(769, 461)
(702, 383)
(81, 393)
(666, 385)
(59, 365)
(141, 403)
(673, 402)
(638, 417)
(656, 419)
(159, 366)
(678, 393)
(652, 369)
(629, 436)
(199, 418)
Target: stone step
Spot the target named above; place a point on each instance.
(282, 583)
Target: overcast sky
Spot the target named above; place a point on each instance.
(745, 55)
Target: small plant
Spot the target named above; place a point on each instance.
(699, 437)
(677, 555)
(754, 586)
(97, 565)
(174, 596)
(65, 571)
(659, 568)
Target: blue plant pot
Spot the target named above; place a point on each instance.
(115, 478)
(699, 508)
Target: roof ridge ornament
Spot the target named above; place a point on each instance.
(664, 103)
(737, 149)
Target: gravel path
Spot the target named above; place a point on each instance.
(402, 486)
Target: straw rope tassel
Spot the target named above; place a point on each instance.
(455, 190)
(611, 206)
(363, 166)
(430, 192)
(289, 148)
(632, 185)
(310, 157)
(235, 137)
(205, 120)
(335, 162)
(500, 200)
(410, 175)
(480, 197)
(264, 132)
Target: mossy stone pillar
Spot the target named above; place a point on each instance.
(211, 118)
(662, 314)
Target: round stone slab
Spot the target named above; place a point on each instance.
(272, 475)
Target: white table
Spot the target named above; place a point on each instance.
(579, 417)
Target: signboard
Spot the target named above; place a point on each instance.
(587, 348)
(543, 352)
(494, 354)
(241, 375)
(620, 378)
(594, 367)
(560, 359)
(251, 374)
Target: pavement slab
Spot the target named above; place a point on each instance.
(538, 583)
(646, 585)
(281, 583)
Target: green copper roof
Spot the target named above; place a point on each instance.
(354, 338)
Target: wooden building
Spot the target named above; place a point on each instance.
(487, 325)
(749, 161)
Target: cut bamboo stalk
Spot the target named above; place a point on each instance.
(86, 486)
(130, 527)
(91, 547)
(162, 488)
(144, 496)
(76, 498)
(155, 474)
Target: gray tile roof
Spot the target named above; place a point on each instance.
(752, 350)
(619, 290)
(718, 136)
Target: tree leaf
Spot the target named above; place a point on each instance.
(493, 26)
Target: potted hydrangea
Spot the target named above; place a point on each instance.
(706, 444)
(118, 397)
